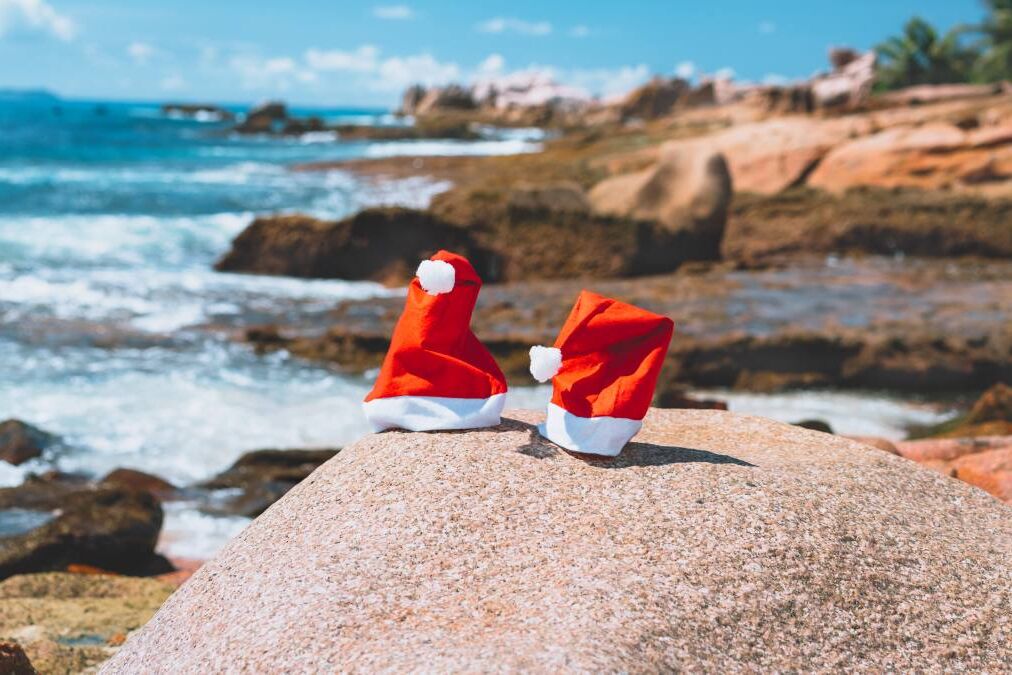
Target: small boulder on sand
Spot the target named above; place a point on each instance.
(714, 543)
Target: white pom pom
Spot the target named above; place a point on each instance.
(545, 362)
(436, 276)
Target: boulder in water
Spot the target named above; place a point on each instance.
(20, 441)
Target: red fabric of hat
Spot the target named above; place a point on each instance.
(609, 356)
(437, 374)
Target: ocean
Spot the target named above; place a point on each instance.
(115, 330)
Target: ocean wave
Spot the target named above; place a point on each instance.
(451, 147)
(854, 414)
(190, 534)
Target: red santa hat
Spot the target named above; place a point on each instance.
(605, 365)
(436, 374)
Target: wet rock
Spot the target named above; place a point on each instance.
(138, 481)
(108, 528)
(262, 477)
(69, 623)
(13, 660)
(688, 191)
(618, 570)
(381, 244)
(20, 442)
(563, 196)
(264, 118)
(801, 221)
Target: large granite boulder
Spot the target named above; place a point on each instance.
(715, 543)
(688, 190)
(932, 156)
(654, 99)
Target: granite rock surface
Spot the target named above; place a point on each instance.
(715, 542)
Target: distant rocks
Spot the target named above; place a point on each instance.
(204, 112)
(495, 550)
(266, 117)
(262, 477)
(20, 441)
(654, 99)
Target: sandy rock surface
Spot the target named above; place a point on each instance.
(715, 542)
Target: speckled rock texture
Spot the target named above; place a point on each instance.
(715, 543)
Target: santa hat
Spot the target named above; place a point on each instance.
(437, 375)
(605, 365)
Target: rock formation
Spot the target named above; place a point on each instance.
(108, 528)
(687, 190)
(382, 244)
(931, 157)
(716, 542)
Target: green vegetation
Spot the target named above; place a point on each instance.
(921, 55)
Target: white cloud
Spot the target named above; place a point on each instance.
(32, 17)
(608, 82)
(508, 25)
(775, 79)
(277, 73)
(393, 12)
(725, 73)
(398, 72)
(492, 65)
(579, 31)
(140, 52)
(363, 59)
(686, 70)
(173, 82)
(767, 27)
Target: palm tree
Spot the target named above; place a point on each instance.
(919, 56)
(995, 62)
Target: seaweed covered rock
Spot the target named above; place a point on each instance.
(495, 550)
(381, 244)
(54, 524)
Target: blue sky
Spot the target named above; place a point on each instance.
(335, 53)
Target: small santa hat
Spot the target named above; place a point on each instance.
(605, 365)
(436, 374)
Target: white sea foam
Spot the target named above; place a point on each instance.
(189, 534)
(855, 414)
(451, 147)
